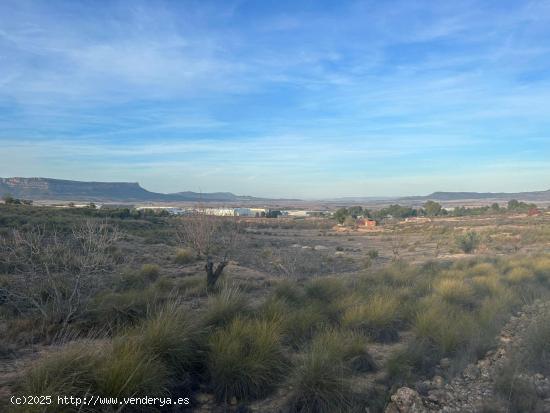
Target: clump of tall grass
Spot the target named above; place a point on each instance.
(445, 326)
(68, 370)
(487, 285)
(377, 316)
(541, 267)
(520, 275)
(455, 291)
(224, 306)
(245, 359)
(320, 381)
(537, 343)
(290, 291)
(120, 309)
(516, 391)
(324, 289)
(302, 323)
(184, 256)
(190, 286)
(482, 269)
(173, 338)
(110, 369)
(417, 359)
(130, 279)
(346, 346)
(128, 371)
(399, 274)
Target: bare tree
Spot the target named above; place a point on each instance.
(396, 243)
(213, 239)
(55, 274)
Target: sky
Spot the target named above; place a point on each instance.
(300, 99)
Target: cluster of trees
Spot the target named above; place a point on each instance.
(515, 205)
(396, 211)
(10, 200)
(429, 209)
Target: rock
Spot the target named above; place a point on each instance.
(438, 381)
(424, 387)
(406, 400)
(438, 396)
(471, 372)
(320, 247)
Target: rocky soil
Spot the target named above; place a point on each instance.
(473, 391)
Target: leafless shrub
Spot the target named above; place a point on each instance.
(396, 244)
(55, 275)
(212, 238)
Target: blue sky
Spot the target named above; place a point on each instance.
(278, 98)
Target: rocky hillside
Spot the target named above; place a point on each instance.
(59, 189)
(480, 386)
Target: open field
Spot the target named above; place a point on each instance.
(305, 317)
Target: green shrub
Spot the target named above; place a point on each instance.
(245, 359)
(468, 242)
(373, 254)
(184, 256)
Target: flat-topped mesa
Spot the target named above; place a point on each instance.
(62, 189)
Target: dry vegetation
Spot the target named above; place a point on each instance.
(303, 319)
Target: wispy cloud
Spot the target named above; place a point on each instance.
(287, 97)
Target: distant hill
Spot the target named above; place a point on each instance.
(500, 196)
(60, 189)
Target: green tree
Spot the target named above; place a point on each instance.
(340, 215)
(433, 208)
(513, 204)
(355, 211)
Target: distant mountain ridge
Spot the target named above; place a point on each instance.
(456, 196)
(67, 190)
(61, 189)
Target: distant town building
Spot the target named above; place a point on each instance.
(365, 223)
(243, 212)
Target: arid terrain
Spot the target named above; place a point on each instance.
(304, 315)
